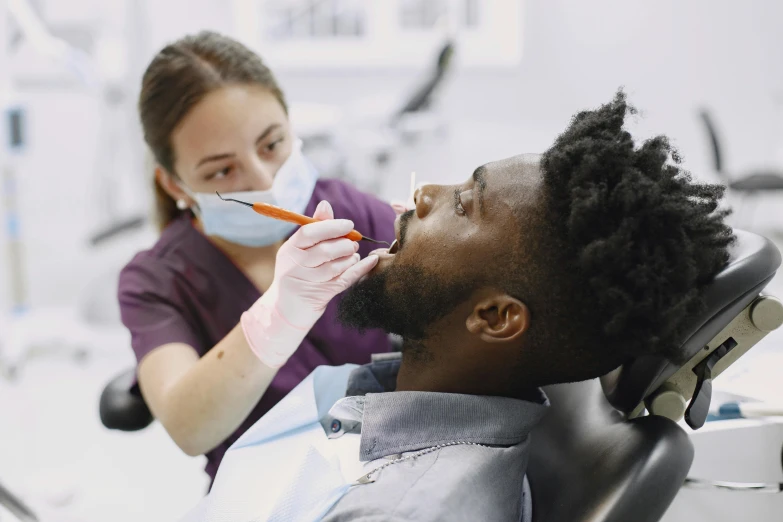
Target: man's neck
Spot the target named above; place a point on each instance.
(432, 374)
(468, 371)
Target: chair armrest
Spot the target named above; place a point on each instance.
(121, 405)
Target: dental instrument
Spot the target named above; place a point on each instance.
(275, 212)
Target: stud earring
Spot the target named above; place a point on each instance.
(182, 204)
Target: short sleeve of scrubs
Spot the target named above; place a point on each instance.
(150, 309)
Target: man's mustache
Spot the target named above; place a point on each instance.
(404, 220)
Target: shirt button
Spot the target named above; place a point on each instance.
(336, 425)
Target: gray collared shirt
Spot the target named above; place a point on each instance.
(447, 457)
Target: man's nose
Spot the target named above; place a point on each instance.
(424, 199)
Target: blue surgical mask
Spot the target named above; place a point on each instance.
(291, 189)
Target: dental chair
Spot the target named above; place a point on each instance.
(597, 458)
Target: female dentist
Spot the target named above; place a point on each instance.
(230, 310)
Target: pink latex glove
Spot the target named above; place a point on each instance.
(313, 266)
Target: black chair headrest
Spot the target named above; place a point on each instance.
(753, 262)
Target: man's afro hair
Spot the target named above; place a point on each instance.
(636, 234)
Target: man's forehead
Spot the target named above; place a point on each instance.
(517, 171)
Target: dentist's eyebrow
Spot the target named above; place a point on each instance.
(267, 132)
(214, 157)
(218, 157)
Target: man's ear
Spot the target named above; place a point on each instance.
(498, 319)
(167, 182)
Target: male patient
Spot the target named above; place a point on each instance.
(536, 270)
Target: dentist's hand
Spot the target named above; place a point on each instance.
(316, 264)
(312, 267)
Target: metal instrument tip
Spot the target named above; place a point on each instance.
(234, 200)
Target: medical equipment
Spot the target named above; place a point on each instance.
(424, 95)
(747, 410)
(15, 506)
(15, 119)
(105, 76)
(747, 185)
(760, 487)
(737, 469)
(272, 211)
(21, 342)
(358, 143)
(13, 136)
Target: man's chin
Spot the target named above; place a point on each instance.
(400, 299)
(361, 306)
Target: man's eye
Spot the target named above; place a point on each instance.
(458, 203)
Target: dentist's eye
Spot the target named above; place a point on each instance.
(459, 209)
(219, 174)
(271, 147)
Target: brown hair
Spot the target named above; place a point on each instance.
(179, 76)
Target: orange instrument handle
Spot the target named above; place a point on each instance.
(272, 211)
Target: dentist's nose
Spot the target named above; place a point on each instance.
(262, 174)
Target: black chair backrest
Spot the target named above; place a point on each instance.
(588, 464)
(753, 262)
(712, 133)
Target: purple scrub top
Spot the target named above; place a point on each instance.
(185, 290)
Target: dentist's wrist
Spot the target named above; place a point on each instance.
(270, 336)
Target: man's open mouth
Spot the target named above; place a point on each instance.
(395, 247)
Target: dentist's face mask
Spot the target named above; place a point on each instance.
(291, 189)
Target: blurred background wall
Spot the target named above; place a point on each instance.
(671, 57)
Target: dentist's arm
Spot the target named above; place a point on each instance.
(201, 401)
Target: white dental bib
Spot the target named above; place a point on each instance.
(285, 468)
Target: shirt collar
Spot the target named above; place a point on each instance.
(397, 422)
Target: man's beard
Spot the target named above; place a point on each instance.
(401, 300)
